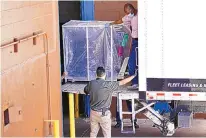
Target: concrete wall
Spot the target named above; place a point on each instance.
(110, 10)
(26, 83)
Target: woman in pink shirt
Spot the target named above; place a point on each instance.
(131, 21)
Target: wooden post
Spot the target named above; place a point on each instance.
(76, 97)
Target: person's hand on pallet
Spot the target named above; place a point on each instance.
(64, 75)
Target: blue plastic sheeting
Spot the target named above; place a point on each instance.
(87, 10)
(89, 44)
(87, 13)
(162, 107)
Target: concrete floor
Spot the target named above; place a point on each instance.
(146, 130)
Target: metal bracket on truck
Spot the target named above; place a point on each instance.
(166, 127)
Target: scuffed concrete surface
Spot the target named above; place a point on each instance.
(146, 130)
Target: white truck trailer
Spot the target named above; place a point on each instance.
(172, 56)
(172, 67)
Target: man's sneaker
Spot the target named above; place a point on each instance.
(118, 125)
(133, 87)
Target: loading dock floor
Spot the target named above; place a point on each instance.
(145, 130)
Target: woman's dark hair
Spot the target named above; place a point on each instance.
(130, 6)
(100, 72)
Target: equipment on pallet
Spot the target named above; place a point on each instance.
(89, 44)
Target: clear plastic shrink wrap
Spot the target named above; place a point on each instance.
(89, 44)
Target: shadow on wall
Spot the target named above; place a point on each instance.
(68, 10)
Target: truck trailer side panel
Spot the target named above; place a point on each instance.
(172, 49)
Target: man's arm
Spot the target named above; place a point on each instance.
(115, 85)
(87, 89)
(125, 81)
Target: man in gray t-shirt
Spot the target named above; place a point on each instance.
(100, 100)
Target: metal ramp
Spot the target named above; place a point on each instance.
(163, 124)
